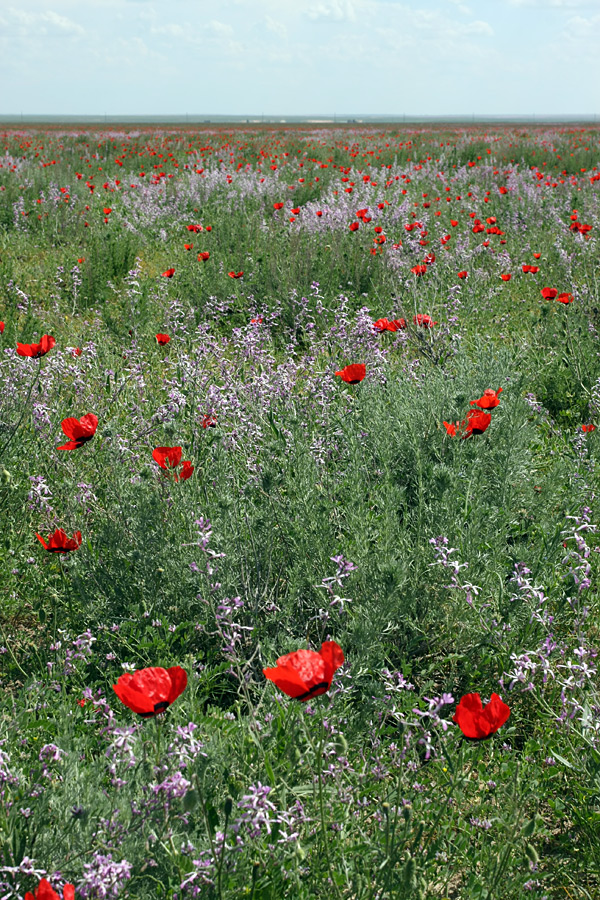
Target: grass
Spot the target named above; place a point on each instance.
(473, 560)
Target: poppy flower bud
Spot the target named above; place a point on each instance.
(532, 854)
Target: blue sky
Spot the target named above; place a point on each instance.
(300, 57)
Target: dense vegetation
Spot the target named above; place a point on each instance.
(447, 552)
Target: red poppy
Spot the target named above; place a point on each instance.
(169, 458)
(36, 350)
(168, 274)
(389, 325)
(382, 325)
(476, 422)
(490, 399)
(304, 674)
(203, 256)
(319, 213)
(548, 293)
(451, 428)
(424, 321)
(478, 721)
(209, 422)
(1, 327)
(80, 431)
(81, 260)
(149, 692)
(588, 428)
(76, 351)
(536, 255)
(354, 226)
(353, 374)
(189, 246)
(463, 274)
(278, 206)
(235, 274)
(506, 277)
(453, 222)
(163, 339)
(195, 228)
(565, 298)
(45, 892)
(59, 542)
(419, 270)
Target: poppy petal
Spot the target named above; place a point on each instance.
(179, 682)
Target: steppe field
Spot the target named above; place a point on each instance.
(299, 499)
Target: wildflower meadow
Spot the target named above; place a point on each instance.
(299, 502)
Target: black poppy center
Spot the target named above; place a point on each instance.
(319, 688)
(158, 708)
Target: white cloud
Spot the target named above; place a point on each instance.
(220, 29)
(478, 27)
(554, 4)
(276, 27)
(171, 30)
(42, 22)
(62, 23)
(332, 11)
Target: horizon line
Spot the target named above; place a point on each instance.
(283, 119)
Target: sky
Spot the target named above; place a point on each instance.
(300, 57)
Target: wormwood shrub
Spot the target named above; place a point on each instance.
(444, 559)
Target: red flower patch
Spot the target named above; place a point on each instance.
(162, 339)
(149, 692)
(463, 274)
(565, 298)
(477, 721)
(304, 674)
(169, 459)
(451, 428)
(168, 274)
(506, 277)
(419, 270)
(423, 321)
(548, 293)
(588, 428)
(203, 256)
(59, 542)
(476, 422)
(235, 274)
(36, 350)
(45, 892)
(353, 374)
(490, 399)
(80, 431)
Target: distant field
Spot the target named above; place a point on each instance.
(306, 388)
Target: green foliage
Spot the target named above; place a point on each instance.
(475, 563)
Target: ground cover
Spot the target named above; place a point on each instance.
(328, 391)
